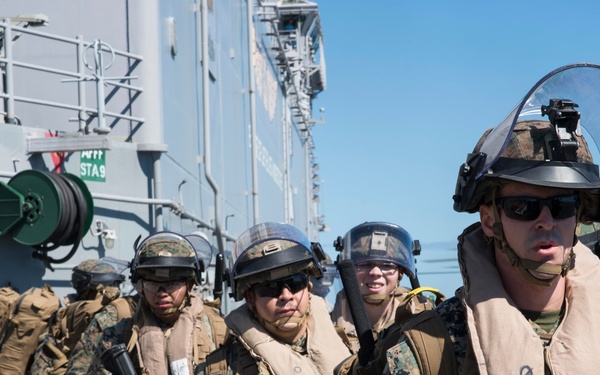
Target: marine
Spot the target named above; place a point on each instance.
(172, 330)
(281, 328)
(96, 282)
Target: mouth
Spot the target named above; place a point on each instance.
(374, 286)
(286, 312)
(546, 247)
(164, 304)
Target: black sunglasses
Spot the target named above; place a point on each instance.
(274, 288)
(529, 208)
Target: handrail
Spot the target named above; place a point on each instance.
(9, 63)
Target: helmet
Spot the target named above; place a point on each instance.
(321, 286)
(378, 241)
(166, 255)
(527, 148)
(93, 272)
(270, 251)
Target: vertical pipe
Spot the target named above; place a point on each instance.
(207, 125)
(309, 191)
(9, 83)
(81, 84)
(158, 215)
(288, 208)
(252, 98)
(99, 59)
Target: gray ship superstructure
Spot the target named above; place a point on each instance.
(163, 115)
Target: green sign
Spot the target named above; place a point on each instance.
(93, 165)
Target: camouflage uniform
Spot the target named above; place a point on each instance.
(197, 329)
(88, 277)
(82, 354)
(121, 332)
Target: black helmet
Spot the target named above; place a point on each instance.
(270, 251)
(168, 255)
(526, 147)
(378, 241)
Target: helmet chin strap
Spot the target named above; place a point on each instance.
(526, 266)
(378, 299)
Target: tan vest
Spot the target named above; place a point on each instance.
(325, 348)
(342, 318)
(187, 343)
(504, 341)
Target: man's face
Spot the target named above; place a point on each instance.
(164, 294)
(544, 238)
(279, 299)
(377, 277)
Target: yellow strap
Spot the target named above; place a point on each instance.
(421, 290)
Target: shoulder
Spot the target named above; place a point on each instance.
(401, 360)
(115, 333)
(107, 317)
(452, 313)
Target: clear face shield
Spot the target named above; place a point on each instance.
(322, 287)
(204, 250)
(576, 83)
(379, 242)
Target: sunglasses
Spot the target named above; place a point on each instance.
(273, 289)
(385, 268)
(169, 286)
(529, 208)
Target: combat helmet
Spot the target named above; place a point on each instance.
(529, 148)
(270, 251)
(166, 255)
(91, 273)
(378, 242)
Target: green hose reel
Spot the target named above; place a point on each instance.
(45, 210)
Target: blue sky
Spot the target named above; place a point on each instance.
(412, 85)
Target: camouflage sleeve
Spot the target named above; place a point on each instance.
(401, 360)
(82, 354)
(110, 336)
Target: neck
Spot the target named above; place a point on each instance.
(168, 319)
(289, 337)
(375, 312)
(527, 295)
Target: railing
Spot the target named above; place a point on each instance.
(10, 63)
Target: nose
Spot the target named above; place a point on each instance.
(546, 220)
(375, 270)
(285, 293)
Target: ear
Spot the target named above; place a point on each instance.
(487, 219)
